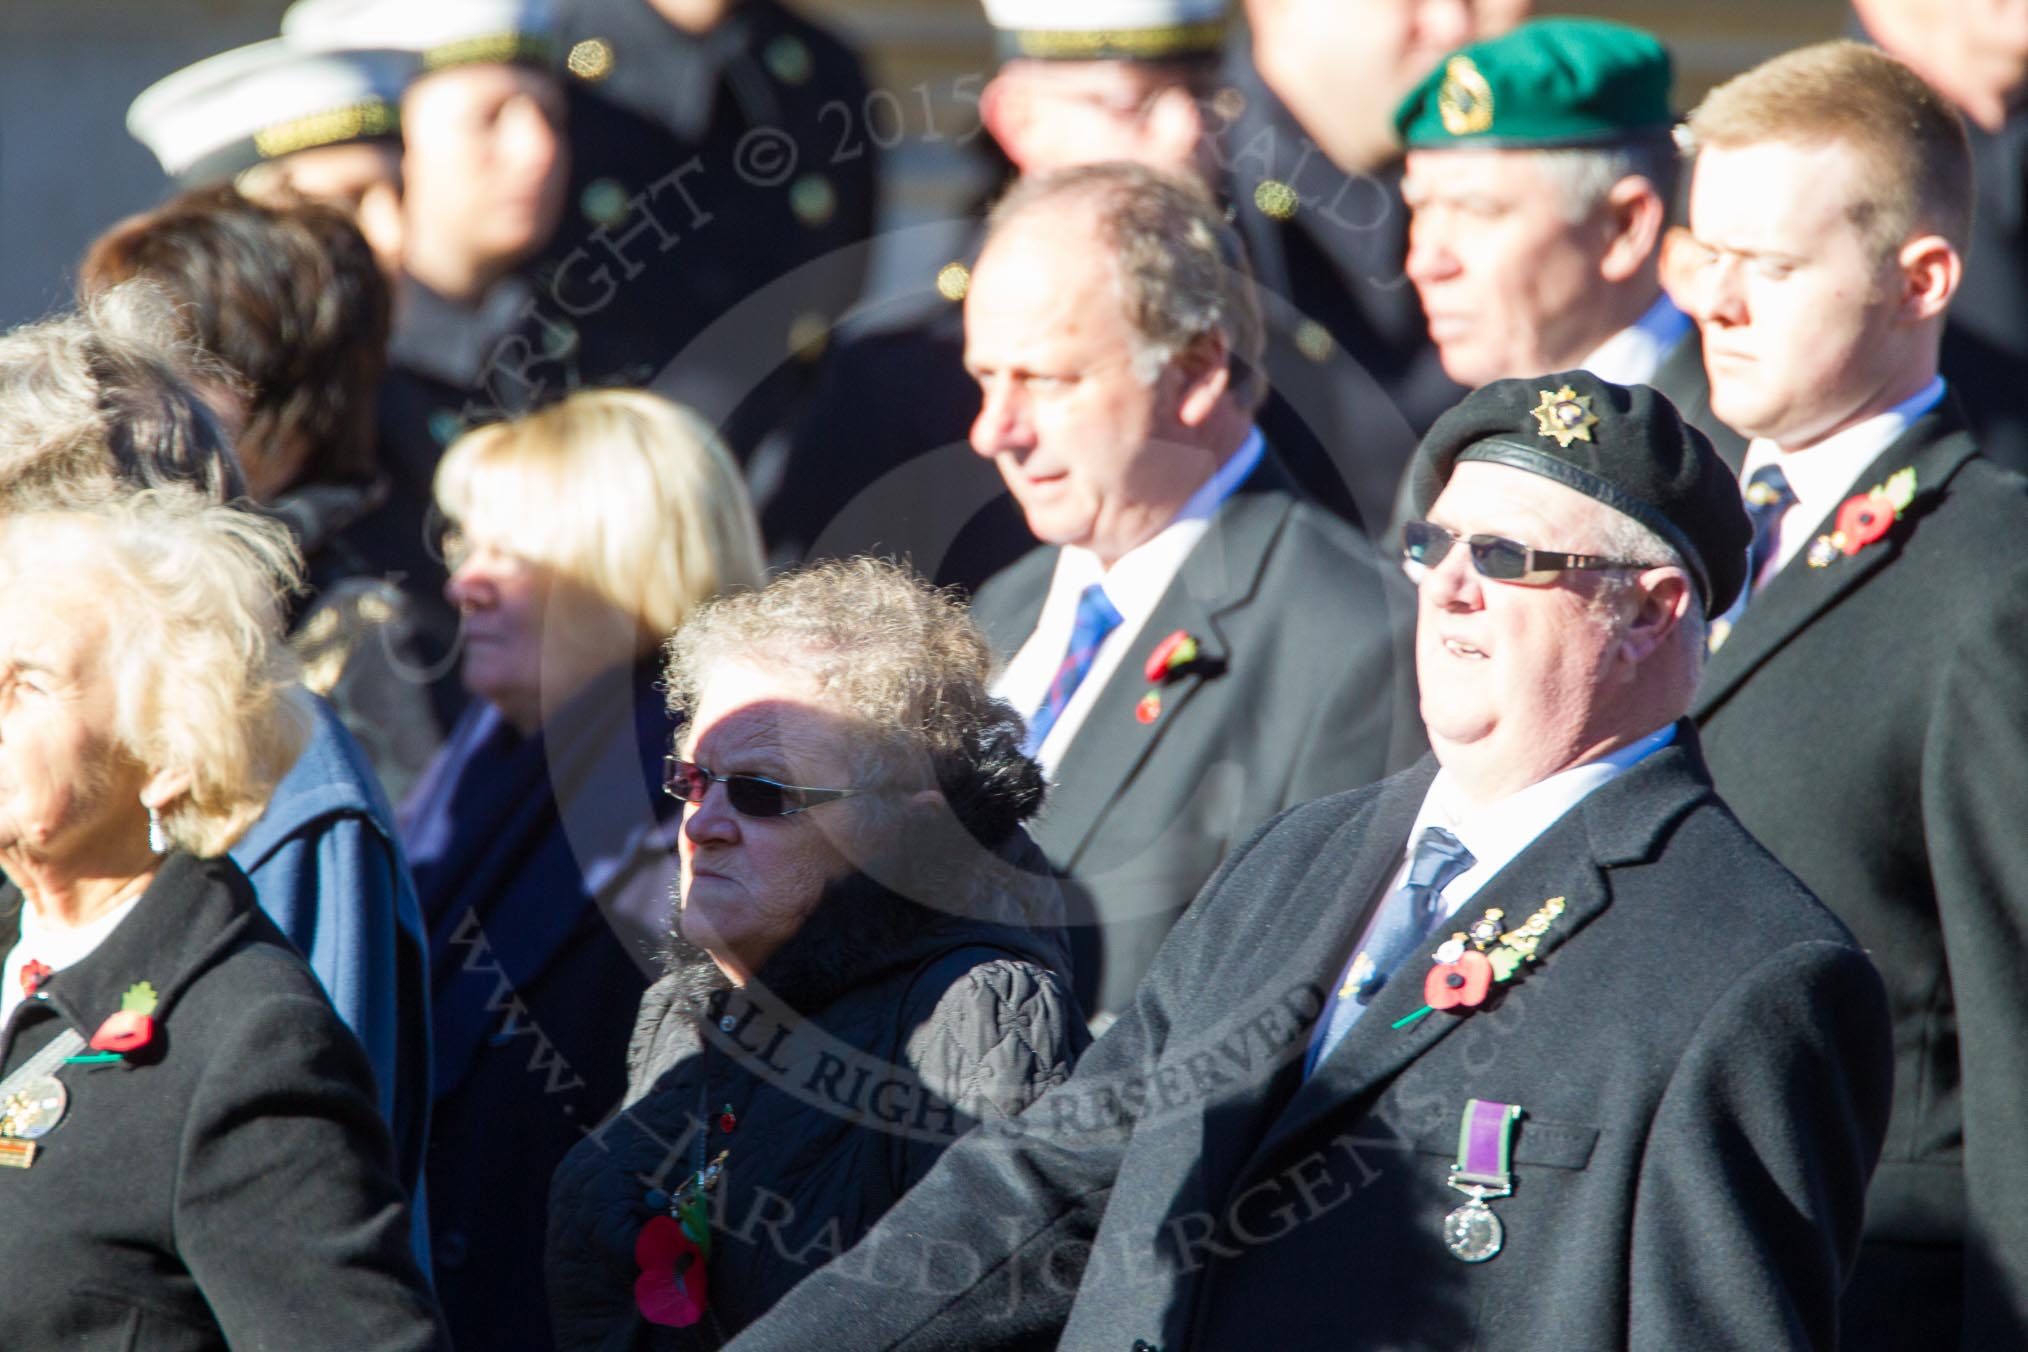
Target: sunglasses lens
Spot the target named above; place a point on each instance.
(682, 780)
(1501, 560)
(1424, 543)
(751, 797)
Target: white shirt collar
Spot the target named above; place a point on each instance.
(1634, 354)
(1825, 474)
(1134, 584)
(1497, 832)
(1129, 579)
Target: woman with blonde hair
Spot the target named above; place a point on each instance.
(542, 847)
(193, 1135)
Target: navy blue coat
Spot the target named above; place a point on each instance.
(545, 908)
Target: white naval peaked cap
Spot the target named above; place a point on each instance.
(439, 32)
(231, 111)
(1108, 30)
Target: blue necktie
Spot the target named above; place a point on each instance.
(1768, 499)
(1095, 619)
(1404, 921)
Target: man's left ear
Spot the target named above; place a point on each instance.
(1206, 367)
(1930, 272)
(1634, 215)
(1664, 598)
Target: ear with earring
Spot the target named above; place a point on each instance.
(158, 838)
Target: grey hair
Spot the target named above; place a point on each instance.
(899, 661)
(1182, 269)
(1616, 535)
(1579, 178)
(107, 395)
(191, 590)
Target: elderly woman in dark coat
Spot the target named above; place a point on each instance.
(542, 846)
(865, 966)
(196, 1157)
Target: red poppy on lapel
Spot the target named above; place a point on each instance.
(1864, 518)
(33, 974)
(671, 1288)
(127, 1031)
(1170, 657)
(1463, 982)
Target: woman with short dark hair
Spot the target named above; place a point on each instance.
(284, 297)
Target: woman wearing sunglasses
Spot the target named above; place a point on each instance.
(867, 962)
(542, 844)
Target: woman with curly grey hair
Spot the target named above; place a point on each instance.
(866, 962)
(193, 1135)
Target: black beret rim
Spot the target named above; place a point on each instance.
(1516, 455)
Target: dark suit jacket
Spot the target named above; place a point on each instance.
(1701, 1055)
(1356, 380)
(1869, 721)
(1304, 688)
(1683, 380)
(232, 1187)
(544, 866)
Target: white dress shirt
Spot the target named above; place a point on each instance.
(1134, 584)
(1634, 354)
(1826, 474)
(1496, 832)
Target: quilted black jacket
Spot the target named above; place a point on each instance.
(873, 1039)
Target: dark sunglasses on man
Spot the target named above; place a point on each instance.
(1425, 545)
(750, 795)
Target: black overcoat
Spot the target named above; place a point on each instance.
(1701, 1055)
(232, 1187)
(1868, 720)
(1303, 686)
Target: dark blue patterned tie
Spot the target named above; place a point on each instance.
(1768, 499)
(1095, 619)
(1404, 921)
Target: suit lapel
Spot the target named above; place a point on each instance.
(1622, 823)
(1219, 575)
(1935, 446)
(1009, 607)
(1354, 875)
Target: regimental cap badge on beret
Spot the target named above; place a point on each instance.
(1553, 82)
(1623, 445)
(1565, 415)
(1465, 100)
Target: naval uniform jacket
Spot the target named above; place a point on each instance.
(1355, 379)
(234, 1186)
(719, 208)
(1700, 1052)
(1303, 687)
(1868, 720)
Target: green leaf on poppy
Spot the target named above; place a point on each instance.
(1899, 489)
(1505, 962)
(139, 999)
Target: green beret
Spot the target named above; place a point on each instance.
(1551, 82)
(1622, 445)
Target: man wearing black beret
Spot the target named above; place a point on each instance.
(1530, 1046)
(1866, 712)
